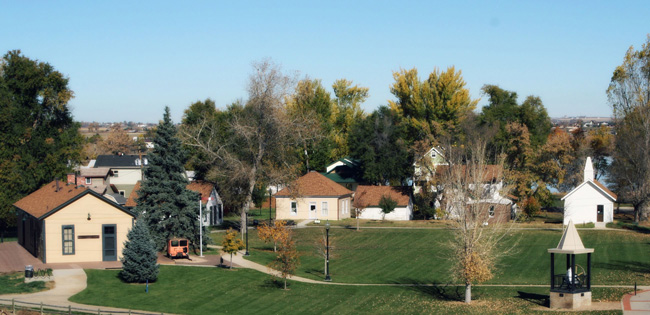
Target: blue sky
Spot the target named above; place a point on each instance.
(127, 60)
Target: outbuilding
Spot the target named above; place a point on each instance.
(590, 202)
(63, 223)
(369, 198)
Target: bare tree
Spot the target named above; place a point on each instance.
(359, 204)
(469, 187)
(251, 142)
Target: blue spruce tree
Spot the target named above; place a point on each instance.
(139, 256)
(164, 203)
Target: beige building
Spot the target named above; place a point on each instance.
(62, 223)
(313, 196)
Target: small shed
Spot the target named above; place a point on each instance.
(590, 202)
(571, 288)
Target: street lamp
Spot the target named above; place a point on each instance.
(270, 206)
(327, 248)
(246, 229)
(200, 225)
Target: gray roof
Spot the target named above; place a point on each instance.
(120, 161)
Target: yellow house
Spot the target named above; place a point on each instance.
(63, 223)
(313, 196)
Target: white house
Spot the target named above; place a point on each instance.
(369, 197)
(591, 201)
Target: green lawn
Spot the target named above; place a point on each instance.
(420, 255)
(191, 290)
(14, 283)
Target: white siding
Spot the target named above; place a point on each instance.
(580, 206)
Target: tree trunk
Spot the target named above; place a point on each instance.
(357, 222)
(230, 260)
(468, 293)
(637, 209)
(285, 283)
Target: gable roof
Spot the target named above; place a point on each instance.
(598, 186)
(119, 161)
(202, 187)
(48, 199)
(491, 173)
(133, 196)
(314, 184)
(371, 195)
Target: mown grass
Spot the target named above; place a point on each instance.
(11, 283)
(422, 256)
(190, 290)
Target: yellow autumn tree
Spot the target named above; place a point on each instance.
(434, 106)
(287, 260)
(231, 244)
(273, 233)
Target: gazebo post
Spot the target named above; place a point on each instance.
(552, 270)
(589, 271)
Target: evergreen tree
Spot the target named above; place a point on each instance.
(164, 203)
(139, 256)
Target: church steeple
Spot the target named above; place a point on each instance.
(589, 170)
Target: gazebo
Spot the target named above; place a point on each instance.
(572, 287)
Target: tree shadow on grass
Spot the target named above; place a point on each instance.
(539, 299)
(631, 266)
(438, 291)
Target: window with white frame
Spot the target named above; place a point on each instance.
(491, 211)
(325, 208)
(89, 180)
(116, 173)
(294, 208)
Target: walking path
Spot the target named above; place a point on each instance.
(636, 304)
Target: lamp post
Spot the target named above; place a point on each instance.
(246, 229)
(200, 225)
(270, 206)
(327, 249)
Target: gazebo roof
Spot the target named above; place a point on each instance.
(570, 243)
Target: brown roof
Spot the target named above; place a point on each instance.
(609, 192)
(204, 188)
(47, 198)
(371, 195)
(133, 196)
(490, 173)
(94, 172)
(314, 184)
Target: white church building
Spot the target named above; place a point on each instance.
(590, 202)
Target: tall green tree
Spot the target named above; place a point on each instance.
(503, 109)
(629, 96)
(347, 113)
(432, 107)
(198, 112)
(40, 141)
(139, 257)
(312, 105)
(379, 143)
(164, 203)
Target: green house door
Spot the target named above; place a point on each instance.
(109, 242)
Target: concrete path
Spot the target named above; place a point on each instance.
(636, 304)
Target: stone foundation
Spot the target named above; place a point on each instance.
(570, 300)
